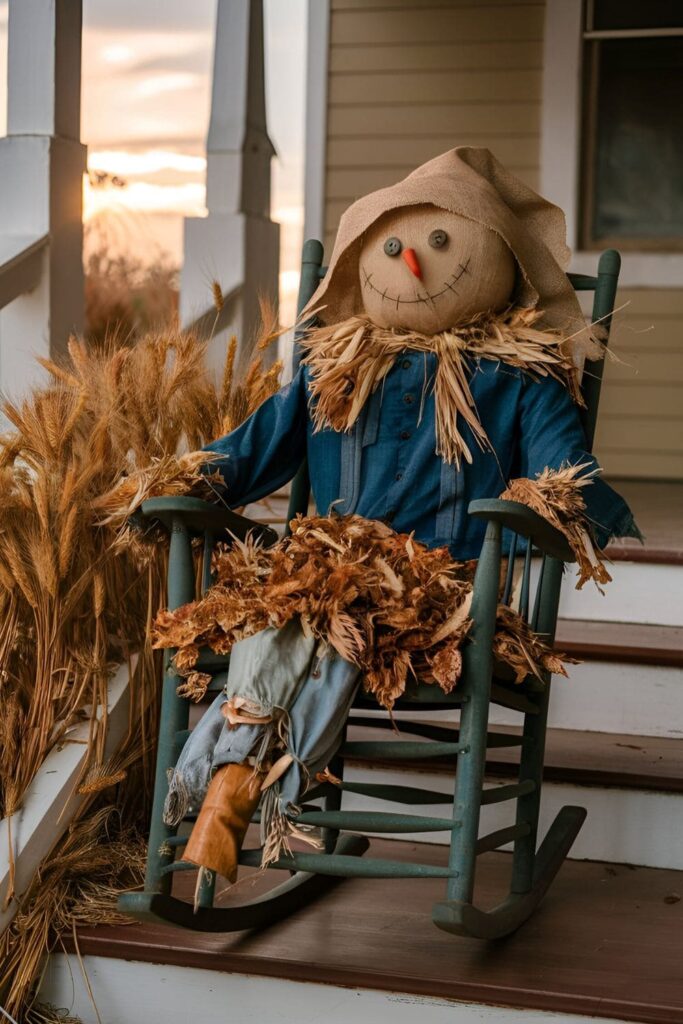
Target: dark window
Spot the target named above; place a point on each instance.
(633, 126)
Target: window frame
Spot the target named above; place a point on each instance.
(562, 158)
(591, 55)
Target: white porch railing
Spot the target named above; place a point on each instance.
(42, 163)
(236, 244)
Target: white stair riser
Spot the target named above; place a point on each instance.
(597, 696)
(626, 826)
(607, 696)
(129, 992)
(639, 592)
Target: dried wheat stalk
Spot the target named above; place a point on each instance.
(108, 430)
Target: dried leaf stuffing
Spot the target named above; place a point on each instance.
(556, 495)
(385, 602)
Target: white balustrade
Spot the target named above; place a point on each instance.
(236, 244)
(42, 163)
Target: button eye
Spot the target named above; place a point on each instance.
(392, 247)
(438, 238)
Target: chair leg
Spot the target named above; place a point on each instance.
(476, 683)
(462, 918)
(333, 799)
(532, 871)
(173, 719)
(535, 727)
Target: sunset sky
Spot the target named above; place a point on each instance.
(145, 109)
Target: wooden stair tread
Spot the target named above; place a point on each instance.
(605, 759)
(575, 756)
(631, 550)
(605, 941)
(621, 642)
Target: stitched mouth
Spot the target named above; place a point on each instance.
(419, 299)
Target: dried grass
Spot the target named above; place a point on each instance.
(380, 599)
(125, 295)
(516, 645)
(77, 885)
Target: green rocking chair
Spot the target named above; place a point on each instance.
(533, 866)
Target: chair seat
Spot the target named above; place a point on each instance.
(505, 691)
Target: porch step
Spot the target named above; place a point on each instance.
(604, 944)
(631, 786)
(572, 756)
(658, 510)
(630, 679)
(627, 643)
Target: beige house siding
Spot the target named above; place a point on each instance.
(640, 428)
(408, 80)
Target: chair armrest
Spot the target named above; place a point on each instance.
(523, 520)
(199, 516)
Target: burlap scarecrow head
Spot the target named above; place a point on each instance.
(458, 236)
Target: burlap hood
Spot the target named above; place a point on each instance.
(468, 181)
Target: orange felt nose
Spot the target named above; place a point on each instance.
(410, 256)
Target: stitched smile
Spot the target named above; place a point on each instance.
(427, 297)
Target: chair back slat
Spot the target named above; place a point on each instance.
(525, 594)
(605, 290)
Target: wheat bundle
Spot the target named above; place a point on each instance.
(106, 431)
(77, 885)
(556, 495)
(383, 601)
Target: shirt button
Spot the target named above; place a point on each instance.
(409, 399)
(399, 476)
(404, 435)
(406, 364)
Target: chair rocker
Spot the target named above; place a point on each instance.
(482, 684)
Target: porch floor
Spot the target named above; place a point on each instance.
(605, 941)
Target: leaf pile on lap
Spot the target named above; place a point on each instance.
(383, 601)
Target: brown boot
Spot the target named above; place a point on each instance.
(218, 833)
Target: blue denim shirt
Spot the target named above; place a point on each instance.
(386, 467)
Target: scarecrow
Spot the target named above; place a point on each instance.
(444, 366)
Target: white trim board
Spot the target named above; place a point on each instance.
(130, 992)
(561, 148)
(316, 118)
(51, 801)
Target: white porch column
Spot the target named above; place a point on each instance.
(237, 244)
(42, 163)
